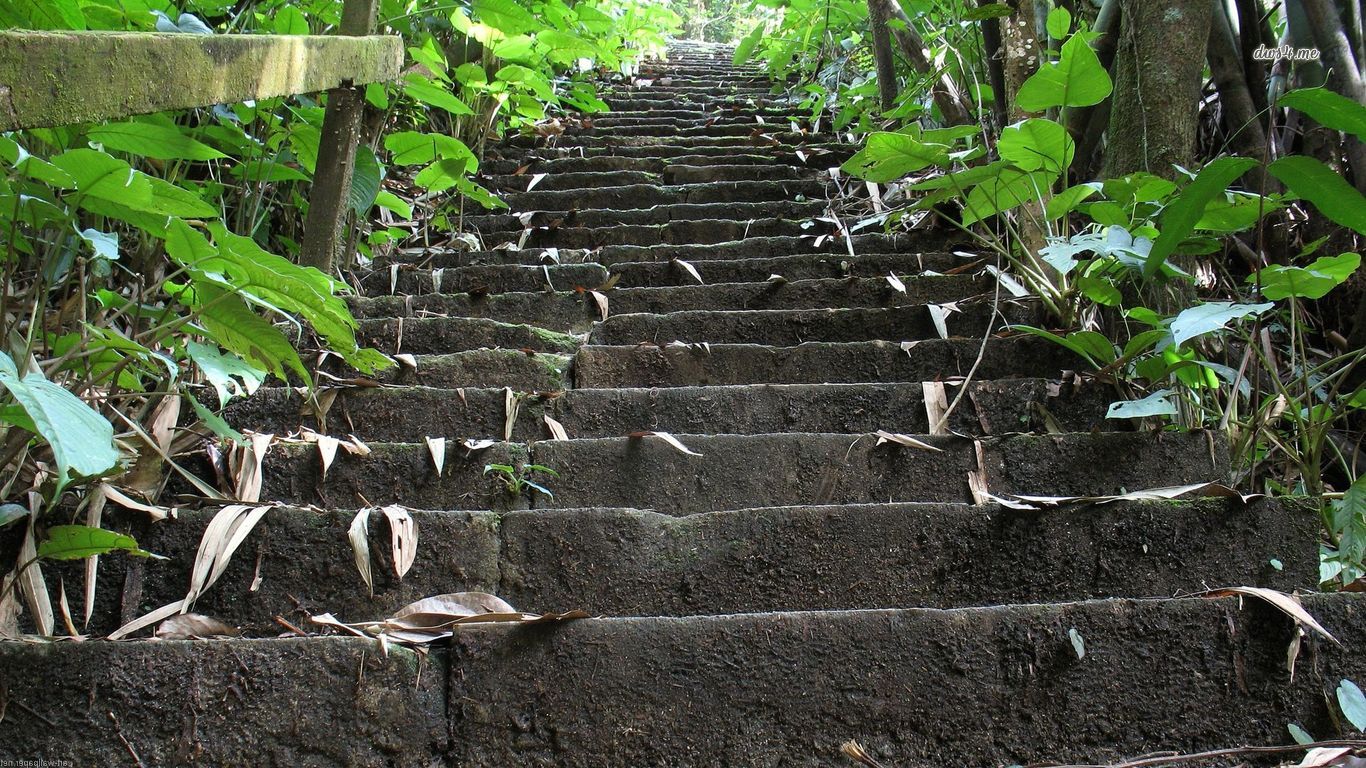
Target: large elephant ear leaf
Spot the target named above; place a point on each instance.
(82, 440)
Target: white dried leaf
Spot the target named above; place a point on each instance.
(327, 450)
(32, 584)
(896, 283)
(360, 547)
(600, 299)
(557, 431)
(437, 274)
(1287, 604)
(403, 537)
(668, 438)
(511, 404)
(437, 447)
(355, 446)
(884, 436)
(94, 516)
(939, 317)
(477, 445)
(221, 538)
(407, 359)
(393, 279)
(692, 270)
(936, 406)
(537, 179)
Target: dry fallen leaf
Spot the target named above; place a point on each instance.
(437, 447)
(896, 283)
(221, 538)
(403, 535)
(407, 359)
(936, 406)
(94, 516)
(884, 436)
(194, 626)
(536, 179)
(360, 547)
(1287, 604)
(123, 500)
(692, 270)
(1171, 492)
(600, 299)
(31, 582)
(557, 431)
(434, 618)
(668, 438)
(327, 449)
(511, 404)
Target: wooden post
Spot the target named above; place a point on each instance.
(325, 226)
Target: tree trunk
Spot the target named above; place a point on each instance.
(882, 54)
(1344, 73)
(996, 74)
(1087, 124)
(1246, 135)
(1021, 51)
(945, 93)
(1158, 70)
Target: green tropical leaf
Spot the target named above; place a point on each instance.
(77, 542)
(506, 16)
(1212, 316)
(746, 47)
(1037, 144)
(1312, 282)
(82, 441)
(1328, 109)
(428, 92)
(1077, 79)
(1311, 180)
(888, 156)
(1181, 215)
(150, 140)
(365, 181)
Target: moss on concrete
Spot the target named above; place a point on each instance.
(61, 78)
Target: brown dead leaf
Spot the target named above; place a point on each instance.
(936, 406)
(511, 404)
(557, 430)
(359, 537)
(194, 626)
(403, 538)
(32, 585)
(1287, 604)
(221, 538)
(94, 517)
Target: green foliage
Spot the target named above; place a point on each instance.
(77, 542)
(518, 481)
(81, 440)
(1076, 79)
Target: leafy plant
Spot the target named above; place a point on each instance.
(517, 481)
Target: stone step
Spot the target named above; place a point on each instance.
(973, 687)
(817, 155)
(680, 232)
(751, 249)
(651, 215)
(624, 562)
(806, 266)
(741, 471)
(574, 311)
(1008, 687)
(481, 279)
(515, 368)
(439, 335)
(670, 175)
(542, 161)
(398, 414)
(623, 203)
(777, 138)
(649, 365)
(778, 327)
(768, 116)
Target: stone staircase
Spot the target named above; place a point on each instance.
(794, 586)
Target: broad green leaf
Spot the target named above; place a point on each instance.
(962, 181)
(100, 175)
(1311, 282)
(1328, 191)
(478, 194)
(1181, 215)
(82, 440)
(1300, 735)
(1059, 23)
(428, 92)
(506, 16)
(1012, 188)
(227, 319)
(1067, 200)
(746, 47)
(1094, 347)
(1037, 144)
(982, 12)
(50, 14)
(1157, 404)
(266, 171)
(1077, 79)
(151, 140)
(441, 175)
(413, 148)
(289, 20)
(1353, 704)
(1329, 109)
(888, 156)
(77, 542)
(365, 181)
(1205, 318)
(230, 375)
(393, 203)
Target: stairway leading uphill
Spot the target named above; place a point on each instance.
(788, 584)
